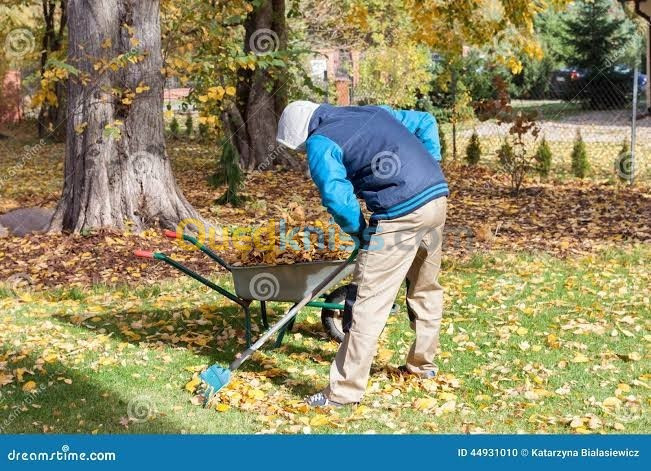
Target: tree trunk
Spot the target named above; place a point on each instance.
(52, 118)
(113, 179)
(261, 95)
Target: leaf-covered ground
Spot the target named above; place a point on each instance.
(547, 317)
(559, 216)
(529, 343)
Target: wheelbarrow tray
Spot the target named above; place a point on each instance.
(290, 283)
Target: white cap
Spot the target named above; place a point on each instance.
(294, 122)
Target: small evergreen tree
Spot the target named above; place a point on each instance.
(230, 174)
(596, 36)
(580, 163)
(473, 151)
(203, 132)
(506, 155)
(543, 158)
(624, 163)
(444, 145)
(189, 124)
(174, 127)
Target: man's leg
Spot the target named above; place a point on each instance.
(425, 297)
(378, 276)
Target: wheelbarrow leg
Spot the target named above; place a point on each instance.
(263, 313)
(247, 323)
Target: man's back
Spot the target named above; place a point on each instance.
(387, 163)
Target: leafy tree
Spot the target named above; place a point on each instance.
(543, 158)
(394, 75)
(580, 163)
(473, 151)
(117, 170)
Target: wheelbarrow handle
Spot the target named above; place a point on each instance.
(194, 241)
(291, 313)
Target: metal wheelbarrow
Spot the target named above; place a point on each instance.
(281, 283)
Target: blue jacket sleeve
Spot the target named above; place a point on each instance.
(328, 172)
(422, 125)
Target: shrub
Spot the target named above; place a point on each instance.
(506, 155)
(189, 124)
(624, 163)
(230, 174)
(204, 130)
(543, 158)
(580, 164)
(174, 127)
(444, 145)
(473, 151)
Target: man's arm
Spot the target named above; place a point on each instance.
(329, 174)
(422, 125)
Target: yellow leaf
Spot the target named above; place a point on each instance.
(319, 420)
(231, 90)
(29, 386)
(424, 403)
(222, 407)
(446, 396)
(611, 403)
(192, 385)
(580, 358)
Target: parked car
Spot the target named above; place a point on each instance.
(609, 89)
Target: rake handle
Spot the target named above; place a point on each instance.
(290, 314)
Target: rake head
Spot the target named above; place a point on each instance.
(214, 379)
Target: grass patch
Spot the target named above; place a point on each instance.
(530, 343)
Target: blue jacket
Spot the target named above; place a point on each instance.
(389, 158)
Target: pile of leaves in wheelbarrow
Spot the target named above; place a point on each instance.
(290, 239)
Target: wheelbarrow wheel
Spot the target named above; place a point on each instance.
(332, 319)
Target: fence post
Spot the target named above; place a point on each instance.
(631, 176)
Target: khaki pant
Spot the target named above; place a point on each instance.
(406, 247)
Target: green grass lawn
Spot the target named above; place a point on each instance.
(530, 343)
